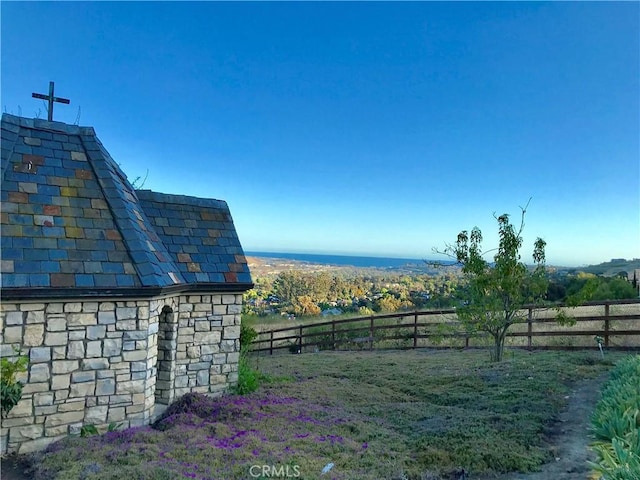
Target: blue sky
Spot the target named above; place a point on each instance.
(357, 128)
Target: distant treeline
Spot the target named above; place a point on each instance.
(303, 293)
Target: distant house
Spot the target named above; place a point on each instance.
(123, 300)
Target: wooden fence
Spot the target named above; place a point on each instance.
(617, 322)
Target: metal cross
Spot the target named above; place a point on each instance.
(51, 99)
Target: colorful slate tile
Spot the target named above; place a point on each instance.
(71, 219)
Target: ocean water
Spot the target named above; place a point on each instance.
(343, 260)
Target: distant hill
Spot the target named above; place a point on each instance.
(612, 267)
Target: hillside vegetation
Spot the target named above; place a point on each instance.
(309, 290)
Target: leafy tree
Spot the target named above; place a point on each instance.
(496, 292)
(304, 305)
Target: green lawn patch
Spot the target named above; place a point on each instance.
(373, 415)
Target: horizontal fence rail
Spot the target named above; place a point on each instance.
(616, 322)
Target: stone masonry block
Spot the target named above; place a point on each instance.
(39, 373)
(125, 325)
(81, 390)
(95, 364)
(73, 405)
(231, 332)
(107, 307)
(77, 334)
(202, 326)
(96, 332)
(63, 418)
(126, 313)
(30, 307)
(40, 354)
(234, 309)
(60, 382)
(35, 316)
(56, 338)
(134, 386)
(55, 308)
(202, 377)
(193, 352)
(143, 313)
(14, 318)
(228, 299)
(59, 353)
(73, 307)
(75, 350)
(134, 355)
(23, 408)
(228, 346)
(13, 335)
(33, 335)
(64, 366)
(105, 387)
(209, 349)
(83, 376)
(112, 347)
(81, 319)
(90, 307)
(56, 323)
(94, 349)
(106, 318)
(116, 414)
(20, 434)
(233, 357)
(153, 328)
(96, 415)
(135, 335)
(43, 399)
(207, 338)
(59, 430)
(35, 388)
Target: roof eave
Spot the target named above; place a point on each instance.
(57, 294)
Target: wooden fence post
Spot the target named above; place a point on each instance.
(529, 329)
(415, 331)
(371, 333)
(271, 343)
(333, 334)
(606, 324)
(300, 340)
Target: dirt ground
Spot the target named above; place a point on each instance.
(569, 436)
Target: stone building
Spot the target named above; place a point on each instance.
(122, 299)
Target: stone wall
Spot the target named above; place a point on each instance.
(98, 362)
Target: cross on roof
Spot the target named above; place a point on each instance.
(51, 99)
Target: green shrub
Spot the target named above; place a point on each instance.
(10, 388)
(248, 377)
(616, 424)
(247, 336)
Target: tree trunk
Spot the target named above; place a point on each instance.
(498, 348)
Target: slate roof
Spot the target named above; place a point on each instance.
(72, 224)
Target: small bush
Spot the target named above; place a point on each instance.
(10, 388)
(616, 424)
(247, 336)
(248, 377)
